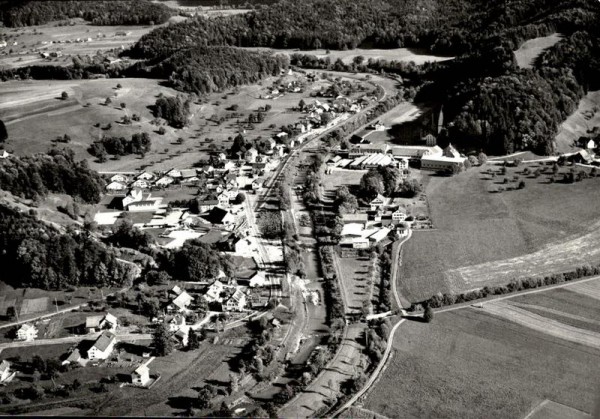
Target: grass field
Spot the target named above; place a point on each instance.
(355, 275)
(484, 238)
(35, 116)
(180, 372)
(585, 117)
(470, 364)
(33, 40)
(530, 49)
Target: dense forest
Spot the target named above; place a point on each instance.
(211, 69)
(17, 13)
(140, 143)
(57, 171)
(34, 254)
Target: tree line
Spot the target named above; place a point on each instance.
(139, 143)
(18, 13)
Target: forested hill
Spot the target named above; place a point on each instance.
(34, 254)
(17, 13)
(446, 27)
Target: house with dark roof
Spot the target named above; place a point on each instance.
(220, 216)
(103, 347)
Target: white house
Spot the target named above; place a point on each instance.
(118, 178)
(27, 332)
(95, 323)
(141, 184)
(174, 173)
(223, 199)
(182, 301)
(4, 154)
(145, 176)
(398, 215)
(164, 181)
(6, 374)
(237, 301)
(103, 347)
(213, 293)
(259, 279)
(115, 187)
(141, 375)
(134, 195)
(182, 335)
(174, 323)
(251, 155)
(378, 202)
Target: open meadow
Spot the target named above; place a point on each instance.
(469, 363)
(584, 119)
(35, 115)
(34, 40)
(483, 237)
(529, 51)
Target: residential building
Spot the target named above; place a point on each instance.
(182, 335)
(250, 155)
(141, 375)
(207, 203)
(74, 357)
(140, 184)
(259, 279)
(147, 205)
(164, 181)
(134, 195)
(27, 332)
(237, 301)
(145, 176)
(175, 173)
(174, 323)
(378, 202)
(214, 292)
(220, 216)
(118, 178)
(398, 215)
(103, 347)
(116, 187)
(5, 372)
(103, 322)
(183, 301)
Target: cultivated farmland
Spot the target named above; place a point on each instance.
(485, 238)
(469, 363)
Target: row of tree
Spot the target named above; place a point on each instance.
(140, 143)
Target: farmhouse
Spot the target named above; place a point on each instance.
(140, 184)
(360, 218)
(96, 323)
(145, 176)
(103, 347)
(174, 173)
(251, 155)
(398, 215)
(174, 323)
(207, 202)
(27, 332)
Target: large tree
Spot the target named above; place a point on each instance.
(161, 340)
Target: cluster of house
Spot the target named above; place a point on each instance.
(385, 221)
